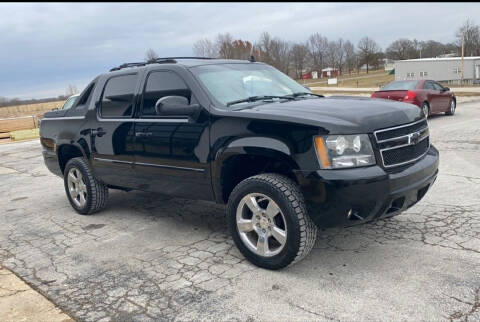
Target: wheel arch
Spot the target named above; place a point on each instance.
(67, 151)
(250, 156)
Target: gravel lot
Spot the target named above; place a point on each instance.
(155, 257)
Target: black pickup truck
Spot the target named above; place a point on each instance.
(284, 160)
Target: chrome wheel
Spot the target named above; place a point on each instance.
(261, 224)
(425, 110)
(76, 187)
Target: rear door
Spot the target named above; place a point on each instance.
(171, 153)
(433, 95)
(112, 134)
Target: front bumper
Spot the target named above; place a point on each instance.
(346, 197)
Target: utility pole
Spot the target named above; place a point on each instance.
(463, 53)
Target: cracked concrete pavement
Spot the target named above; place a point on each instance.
(152, 257)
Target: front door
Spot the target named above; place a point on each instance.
(112, 134)
(171, 153)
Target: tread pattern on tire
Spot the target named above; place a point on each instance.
(308, 230)
(99, 192)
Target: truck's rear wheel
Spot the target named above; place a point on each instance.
(85, 193)
(269, 222)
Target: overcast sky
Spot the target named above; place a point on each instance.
(45, 47)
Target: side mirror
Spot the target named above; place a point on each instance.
(446, 89)
(55, 109)
(176, 106)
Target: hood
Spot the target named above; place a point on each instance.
(339, 115)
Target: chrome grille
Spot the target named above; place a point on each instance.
(403, 144)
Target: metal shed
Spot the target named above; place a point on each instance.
(448, 69)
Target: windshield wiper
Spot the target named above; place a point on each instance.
(257, 98)
(304, 93)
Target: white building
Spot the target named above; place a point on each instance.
(447, 69)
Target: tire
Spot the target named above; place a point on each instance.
(426, 109)
(299, 231)
(452, 108)
(83, 183)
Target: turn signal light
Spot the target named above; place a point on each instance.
(322, 152)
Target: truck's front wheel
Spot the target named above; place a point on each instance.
(269, 222)
(85, 193)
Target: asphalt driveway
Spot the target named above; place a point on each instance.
(152, 257)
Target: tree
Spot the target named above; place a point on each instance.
(402, 49)
(350, 55)
(317, 46)
(471, 35)
(151, 56)
(205, 48)
(224, 43)
(368, 50)
(299, 55)
(242, 49)
(71, 89)
(273, 51)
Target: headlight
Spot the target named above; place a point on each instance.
(344, 151)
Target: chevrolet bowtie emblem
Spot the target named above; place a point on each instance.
(413, 138)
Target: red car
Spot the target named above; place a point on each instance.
(429, 95)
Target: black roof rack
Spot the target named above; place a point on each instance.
(185, 57)
(163, 60)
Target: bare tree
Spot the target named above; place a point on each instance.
(274, 51)
(151, 56)
(224, 43)
(368, 50)
(264, 45)
(205, 48)
(350, 56)
(299, 55)
(71, 89)
(471, 35)
(402, 49)
(339, 54)
(317, 45)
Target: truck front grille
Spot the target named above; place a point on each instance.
(403, 144)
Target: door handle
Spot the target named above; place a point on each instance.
(143, 134)
(98, 132)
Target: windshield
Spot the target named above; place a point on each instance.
(69, 103)
(235, 82)
(400, 86)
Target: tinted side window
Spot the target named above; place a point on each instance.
(118, 94)
(438, 87)
(428, 85)
(160, 84)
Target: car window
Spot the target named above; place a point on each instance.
(400, 86)
(437, 87)
(118, 94)
(69, 103)
(86, 96)
(231, 82)
(160, 84)
(428, 85)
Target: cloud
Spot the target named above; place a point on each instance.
(44, 45)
